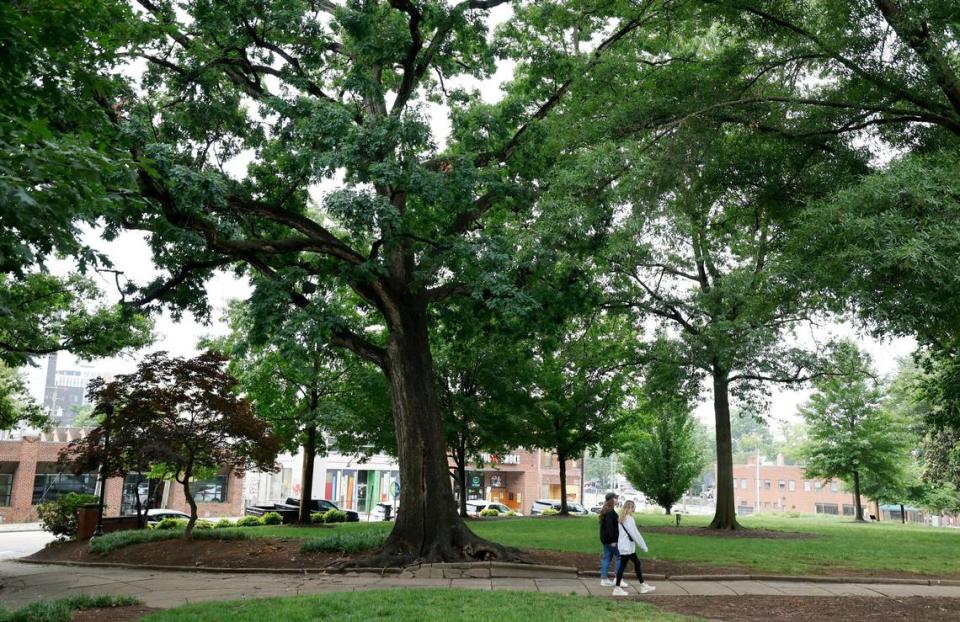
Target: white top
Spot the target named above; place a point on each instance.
(624, 544)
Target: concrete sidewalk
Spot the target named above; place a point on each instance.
(21, 584)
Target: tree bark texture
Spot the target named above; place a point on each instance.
(188, 532)
(428, 527)
(725, 516)
(306, 485)
(856, 497)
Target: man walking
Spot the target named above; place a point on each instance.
(609, 534)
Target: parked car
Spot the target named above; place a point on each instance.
(542, 504)
(475, 506)
(596, 509)
(157, 515)
(322, 505)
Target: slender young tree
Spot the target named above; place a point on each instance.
(662, 454)
(305, 390)
(576, 378)
(851, 435)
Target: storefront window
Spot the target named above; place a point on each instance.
(6, 488)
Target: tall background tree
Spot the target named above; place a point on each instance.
(851, 435)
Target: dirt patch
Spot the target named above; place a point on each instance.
(252, 553)
(806, 608)
(112, 614)
(764, 534)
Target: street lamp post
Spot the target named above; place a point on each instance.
(107, 411)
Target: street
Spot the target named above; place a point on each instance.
(15, 544)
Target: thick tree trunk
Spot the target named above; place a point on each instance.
(856, 497)
(725, 516)
(903, 515)
(564, 510)
(667, 508)
(428, 527)
(306, 481)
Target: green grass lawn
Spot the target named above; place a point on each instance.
(62, 609)
(419, 604)
(840, 543)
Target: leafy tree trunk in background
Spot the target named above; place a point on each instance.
(725, 516)
(309, 458)
(564, 510)
(856, 497)
(188, 495)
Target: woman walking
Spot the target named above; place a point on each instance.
(627, 542)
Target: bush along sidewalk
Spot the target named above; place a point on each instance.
(345, 542)
(119, 539)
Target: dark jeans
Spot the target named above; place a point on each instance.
(623, 564)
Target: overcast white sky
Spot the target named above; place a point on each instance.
(131, 254)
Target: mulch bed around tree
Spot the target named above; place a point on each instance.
(285, 553)
(112, 614)
(807, 608)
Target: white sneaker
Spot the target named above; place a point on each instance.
(607, 583)
(645, 588)
(619, 591)
(623, 583)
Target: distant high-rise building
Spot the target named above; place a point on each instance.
(66, 391)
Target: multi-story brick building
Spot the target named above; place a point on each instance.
(30, 475)
(787, 488)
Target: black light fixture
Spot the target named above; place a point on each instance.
(107, 411)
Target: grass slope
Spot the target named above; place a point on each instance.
(61, 610)
(420, 604)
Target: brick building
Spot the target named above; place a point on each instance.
(521, 477)
(786, 488)
(29, 475)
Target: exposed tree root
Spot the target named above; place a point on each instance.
(395, 554)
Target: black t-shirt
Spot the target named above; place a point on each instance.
(609, 529)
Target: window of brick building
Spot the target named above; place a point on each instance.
(782, 485)
(834, 486)
(213, 490)
(806, 485)
(792, 486)
(49, 484)
(767, 484)
(743, 486)
(827, 508)
(7, 470)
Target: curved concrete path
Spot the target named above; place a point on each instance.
(21, 584)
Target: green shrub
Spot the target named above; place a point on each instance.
(549, 512)
(489, 512)
(61, 610)
(223, 523)
(171, 523)
(119, 539)
(316, 517)
(334, 516)
(249, 521)
(511, 513)
(59, 516)
(272, 518)
(345, 541)
(203, 524)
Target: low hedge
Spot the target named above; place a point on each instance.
(346, 542)
(119, 539)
